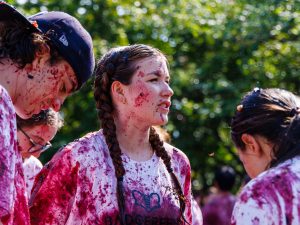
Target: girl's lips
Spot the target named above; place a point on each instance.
(164, 106)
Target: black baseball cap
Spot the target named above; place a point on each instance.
(65, 32)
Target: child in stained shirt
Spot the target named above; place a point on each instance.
(123, 173)
(38, 70)
(219, 206)
(34, 136)
(266, 132)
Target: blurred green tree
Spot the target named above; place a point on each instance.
(218, 50)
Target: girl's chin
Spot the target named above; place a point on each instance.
(161, 123)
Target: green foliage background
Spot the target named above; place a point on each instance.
(218, 50)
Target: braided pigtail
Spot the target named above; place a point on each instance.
(119, 64)
(105, 109)
(158, 146)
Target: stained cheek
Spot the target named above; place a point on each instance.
(54, 75)
(47, 133)
(47, 81)
(141, 74)
(143, 95)
(24, 145)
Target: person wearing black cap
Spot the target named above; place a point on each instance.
(43, 59)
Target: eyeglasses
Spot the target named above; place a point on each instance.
(36, 147)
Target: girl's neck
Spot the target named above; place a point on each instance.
(134, 141)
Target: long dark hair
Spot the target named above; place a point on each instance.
(20, 44)
(271, 113)
(119, 64)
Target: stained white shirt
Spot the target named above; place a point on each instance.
(273, 198)
(32, 166)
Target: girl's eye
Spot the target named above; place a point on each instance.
(153, 80)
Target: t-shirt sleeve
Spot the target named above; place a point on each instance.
(8, 146)
(196, 213)
(182, 169)
(54, 190)
(188, 192)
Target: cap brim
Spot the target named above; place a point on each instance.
(8, 12)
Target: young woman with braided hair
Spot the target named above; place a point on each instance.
(123, 174)
(266, 132)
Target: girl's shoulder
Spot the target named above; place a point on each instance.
(89, 141)
(268, 185)
(176, 154)
(90, 145)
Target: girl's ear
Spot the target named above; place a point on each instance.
(117, 92)
(252, 144)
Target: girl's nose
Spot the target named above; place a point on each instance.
(167, 91)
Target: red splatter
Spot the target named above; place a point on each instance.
(62, 179)
(13, 202)
(141, 74)
(141, 99)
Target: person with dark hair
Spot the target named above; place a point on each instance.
(35, 133)
(225, 178)
(34, 136)
(124, 173)
(43, 59)
(266, 131)
(219, 206)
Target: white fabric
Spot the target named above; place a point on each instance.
(78, 186)
(32, 166)
(273, 198)
(13, 200)
(196, 213)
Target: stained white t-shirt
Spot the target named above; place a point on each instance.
(31, 166)
(13, 200)
(273, 198)
(78, 186)
(196, 213)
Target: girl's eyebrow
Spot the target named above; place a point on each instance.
(155, 72)
(158, 74)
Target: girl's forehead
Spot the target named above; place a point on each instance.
(151, 61)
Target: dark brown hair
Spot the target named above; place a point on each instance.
(119, 64)
(20, 44)
(163, 134)
(273, 114)
(46, 117)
